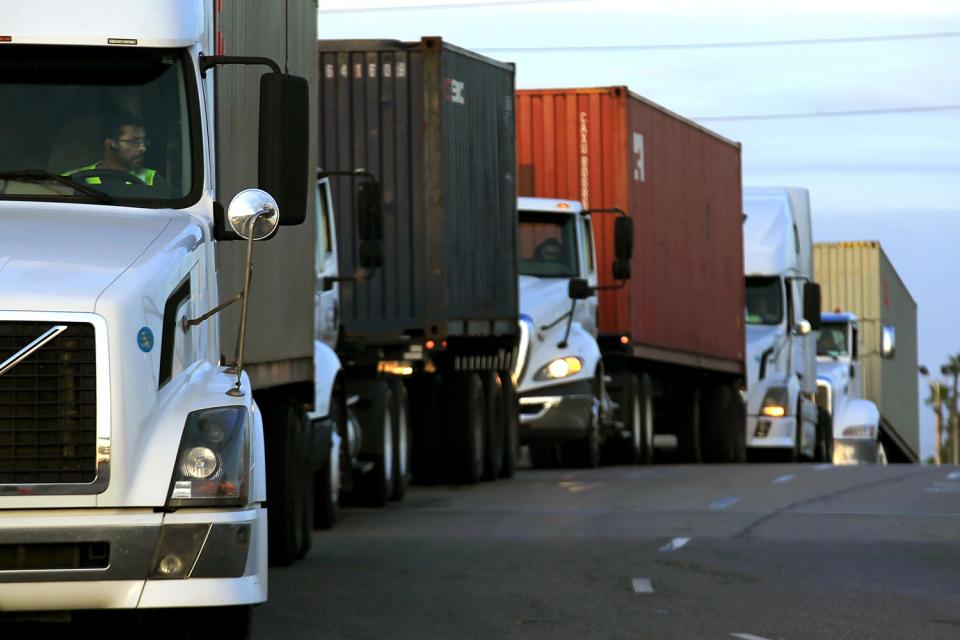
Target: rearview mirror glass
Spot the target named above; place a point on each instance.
(623, 238)
(621, 269)
(811, 304)
(369, 211)
(284, 153)
(579, 289)
(888, 341)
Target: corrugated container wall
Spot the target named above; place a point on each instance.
(279, 347)
(859, 278)
(681, 185)
(435, 125)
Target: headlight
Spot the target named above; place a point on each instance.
(860, 432)
(213, 464)
(560, 368)
(775, 402)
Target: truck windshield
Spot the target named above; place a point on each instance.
(548, 245)
(115, 120)
(833, 340)
(764, 300)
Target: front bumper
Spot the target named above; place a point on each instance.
(856, 451)
(559, 412)
(94, 559)
(773, 433)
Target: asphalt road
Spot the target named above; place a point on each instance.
(752, 551)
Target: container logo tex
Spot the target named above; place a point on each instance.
(453, 91)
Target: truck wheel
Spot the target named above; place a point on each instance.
(543, 455)
(288, 479)
(584, 452)
(427, 413)
(376, 422)
(824, 452)
(723, 433)
(493, 429)
(400, 412)
(465, 422)
(646, 420)
(326, 481)
(688, 436)
(511, 425)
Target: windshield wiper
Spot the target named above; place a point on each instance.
(40, 174)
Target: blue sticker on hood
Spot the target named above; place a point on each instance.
(145, 339)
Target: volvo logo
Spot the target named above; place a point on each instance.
(31, 348)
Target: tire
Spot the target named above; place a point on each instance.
(689, 434)
(376, 421)
(493, 426)
(326, 494)
(289, 480)
(824, 451)
(427, 413)
(584, 452)
(511, 425)
(543, 455)
(647, 424)
(400, 413)
(465, 427)
(628, 450)
(723, 428)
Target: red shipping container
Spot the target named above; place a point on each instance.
(681, 184)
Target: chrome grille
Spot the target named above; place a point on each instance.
(48, 405)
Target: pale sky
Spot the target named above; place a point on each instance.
(891, 177)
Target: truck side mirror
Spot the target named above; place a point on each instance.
(811, 304)
(888, 341)
(623, 238)
(621, 269)
(579, 289)
(284, 154)
(369, 211)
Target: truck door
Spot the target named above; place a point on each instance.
(587, 309)
(327, 321)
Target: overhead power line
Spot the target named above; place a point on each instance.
(452, 5)
(832, 114)
(724, 45)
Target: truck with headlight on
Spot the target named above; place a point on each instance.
(782, 315)
(670, 337)
(855, 433)
(154, 388)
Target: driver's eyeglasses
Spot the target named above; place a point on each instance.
(136, 142)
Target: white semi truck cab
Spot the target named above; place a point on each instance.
(856, 421)
(132, 460)
(782, 314)
(565, 411)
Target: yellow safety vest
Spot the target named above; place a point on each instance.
(145, 175)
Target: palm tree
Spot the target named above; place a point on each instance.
(940, 395)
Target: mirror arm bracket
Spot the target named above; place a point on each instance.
(187, 323)
(208, 62)
(566, 334)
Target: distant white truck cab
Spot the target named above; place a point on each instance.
(782, 315)
(856, 421)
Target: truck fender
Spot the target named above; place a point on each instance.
(326, 369)
(583, 344)
(856, 413)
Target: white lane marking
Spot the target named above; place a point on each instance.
(747, 636)
(723, 503)
(676, 543)
(824, 466)
(784, 478)
(953, 476)
(944, 487)
(642, 585)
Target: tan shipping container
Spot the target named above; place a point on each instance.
(859, 278)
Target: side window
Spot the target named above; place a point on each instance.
(586, 248)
